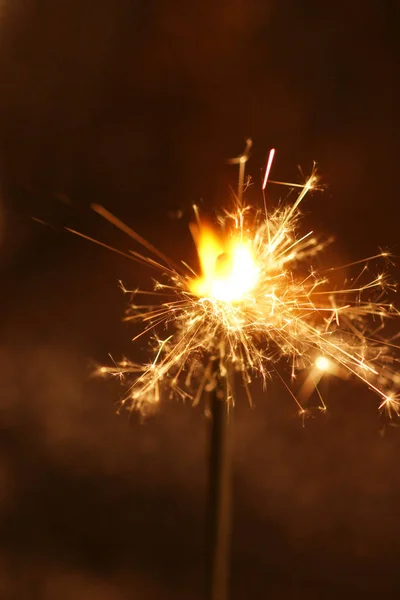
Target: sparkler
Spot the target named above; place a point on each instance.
(260, 296)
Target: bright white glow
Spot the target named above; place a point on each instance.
(322, 363)
(229, 271)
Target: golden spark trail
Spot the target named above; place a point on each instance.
(258, 299)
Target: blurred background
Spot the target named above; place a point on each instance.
(137, 106)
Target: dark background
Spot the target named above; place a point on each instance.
(137, 105)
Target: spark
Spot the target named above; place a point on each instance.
(258, 299)
(322, 363)
(390, 404)
(268, 168)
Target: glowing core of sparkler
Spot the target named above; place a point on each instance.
(229, 269)
(322, 363)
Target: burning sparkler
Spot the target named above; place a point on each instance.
(258, 298)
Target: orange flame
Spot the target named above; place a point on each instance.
(228, 267)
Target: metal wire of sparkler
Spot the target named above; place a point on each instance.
(219, 517)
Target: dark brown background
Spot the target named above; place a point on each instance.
(137, 105)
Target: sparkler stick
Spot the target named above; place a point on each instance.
(220, 498)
